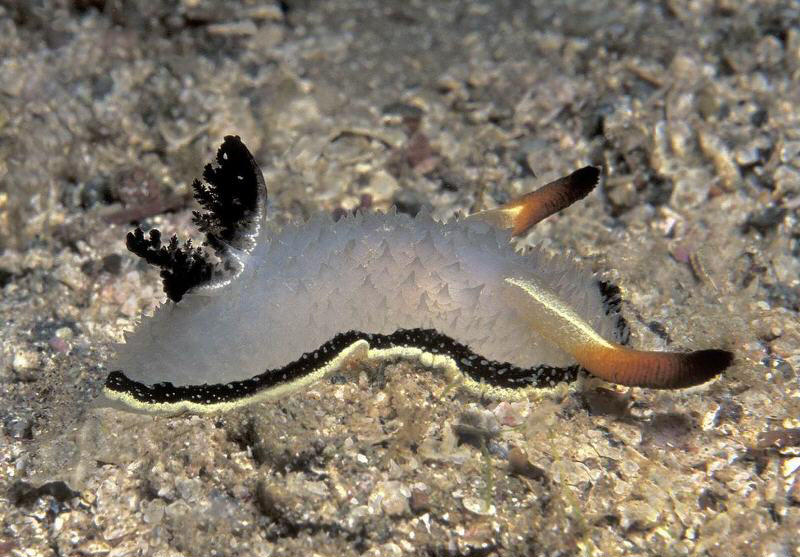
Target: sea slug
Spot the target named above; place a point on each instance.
(274, 311)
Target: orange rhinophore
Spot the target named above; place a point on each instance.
(610, 361)
(655, 370)
(525, 211)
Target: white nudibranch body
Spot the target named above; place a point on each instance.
(375, 273)
(304, 299)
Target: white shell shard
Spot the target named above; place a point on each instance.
(374, 273)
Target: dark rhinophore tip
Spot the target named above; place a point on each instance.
(653, 370)
(676, 370)
(703, 365)
(583, 180)
(551, 198)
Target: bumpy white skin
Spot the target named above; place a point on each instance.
(374, 273)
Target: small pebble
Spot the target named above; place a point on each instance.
(794, 491)
(93, 548)
(639, 515)
(112, 263)
(787, 180)
(520, 465)
(24, 361)
(18, 427)
(790, 152)
(507, 415)
(764, 220)
(393, 502)
(25, 364)
(479, 506)
(58, 345)
(790, 466)
(419, 501)
(382, 185)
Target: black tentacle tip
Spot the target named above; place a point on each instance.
(714, 359)
(584, 179)
(705, 365)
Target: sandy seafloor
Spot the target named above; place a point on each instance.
(108, 110)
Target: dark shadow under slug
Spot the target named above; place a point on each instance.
(279, 311)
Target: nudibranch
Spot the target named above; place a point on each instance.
(274, 311)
